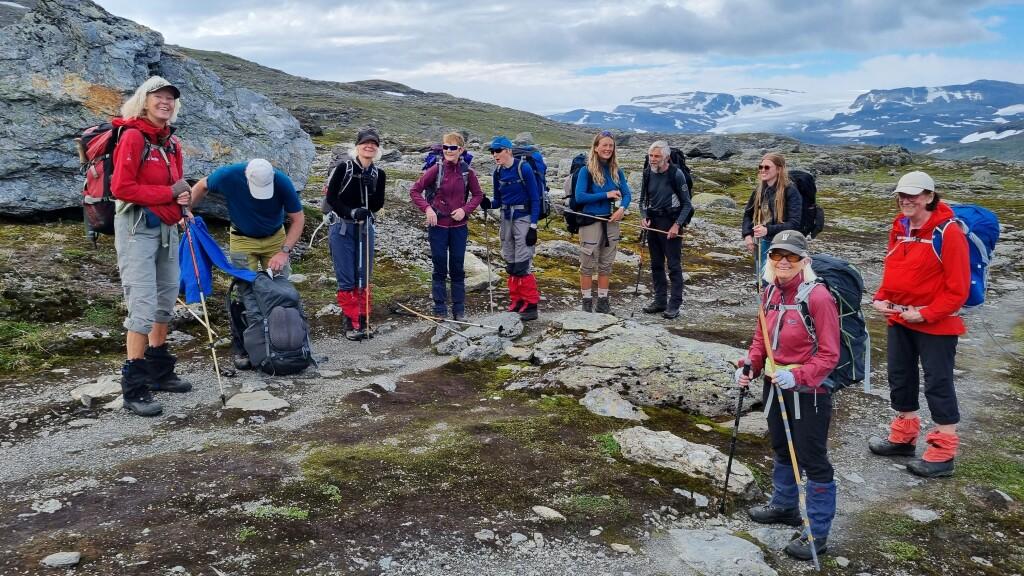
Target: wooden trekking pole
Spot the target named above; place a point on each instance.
(770, 372)
(206, 314)
(599, 219)
(433, 321)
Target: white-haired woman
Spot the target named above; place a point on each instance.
(151, 194)
(801, 367)
(355, 190)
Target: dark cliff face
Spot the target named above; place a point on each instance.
(68, 64)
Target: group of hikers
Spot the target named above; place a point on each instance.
(792, 355)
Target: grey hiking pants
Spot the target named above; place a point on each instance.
(518, 256)
(147, 259)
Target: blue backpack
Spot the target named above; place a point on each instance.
(981, 226)
(532, 156)
(434, 156)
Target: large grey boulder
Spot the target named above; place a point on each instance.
(707, 200)
(716, 147)
(716, 553)
(69, 64)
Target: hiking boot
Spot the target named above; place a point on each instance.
(241, 362)
(135, 381)
(160, 363)
(654, 307)
(356, 334)
(800, 548)
(671, 313)
(769, 514)
(587, 305)
(604, 306)
(459, 316)
(528, 313)
(883, 447)
(927, 469)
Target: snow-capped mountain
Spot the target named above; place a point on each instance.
(684, 112)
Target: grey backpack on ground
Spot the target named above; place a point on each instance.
(272, 325)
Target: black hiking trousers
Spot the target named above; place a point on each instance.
(936, 354)
(810, 431)
(665, 251)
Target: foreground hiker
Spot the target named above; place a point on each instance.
(801, 369)
(151, 194)
(920, 296)
(517, 197)
(258, 199)
(355, 191)
(664, 205)
(769, 211)
(447, 193)
(601, 190)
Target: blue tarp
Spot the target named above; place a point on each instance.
(208, 254)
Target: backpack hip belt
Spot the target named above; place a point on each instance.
(664, 212)
(796, 394)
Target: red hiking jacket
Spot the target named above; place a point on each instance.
(147, 182)
(914, 276)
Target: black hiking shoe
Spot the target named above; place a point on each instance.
(241, 362)
(883, 447)
(927, 469)
(135, 381)
(587, 305)
(671, 313)
(769, 514)
(604, 306)
(801, 548)
(654, 307)
(160, 363)
(529, 313)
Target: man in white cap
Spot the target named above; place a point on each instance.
(258, 197)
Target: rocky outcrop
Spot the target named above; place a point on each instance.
(68, 64)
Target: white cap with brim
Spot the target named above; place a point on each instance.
(158, 83)
(260, 175)
(915, 183)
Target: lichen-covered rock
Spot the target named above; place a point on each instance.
(707, 200)
(69, 64)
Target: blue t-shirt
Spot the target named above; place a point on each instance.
(252, 217)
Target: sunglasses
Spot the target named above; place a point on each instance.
(908, 197)
(496, 150)
(765, 167)
(790, 257)
(450, 148)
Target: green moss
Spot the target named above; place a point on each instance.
(608, 444)
(882, 522)
(103, 316)
(27, 346)
(994, 470)
(286, 512)
(900, 551)
(588, 507)
(245, 532)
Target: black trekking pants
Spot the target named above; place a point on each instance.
(664, 250)
(936, 354)
(810, 431)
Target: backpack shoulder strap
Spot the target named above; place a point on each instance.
(802, 294)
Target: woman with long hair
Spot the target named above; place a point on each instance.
(769, 212)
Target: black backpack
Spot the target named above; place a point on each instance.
(846, 285)
(268, 322)
(344, 161)
(812, 216)
(532, 156)
(677, 159)
(572, 221)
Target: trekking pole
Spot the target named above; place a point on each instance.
(598, 218)
(196, 316)
(366, 291)
(770, 373)
(732, 443)
(433, 321)
(490, 285)
(206, 314)
(500, 329)
(639, 271)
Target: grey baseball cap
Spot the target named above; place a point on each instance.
(791, 241)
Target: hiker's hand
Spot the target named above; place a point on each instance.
(613, 195)
(485, 203)
(618, 214)
(360, 214)
(278, 262)
(673, 231)
(760, 231)
(912, 314)
(646, 222)
(749, 240)
(458, 214)
(531, 236)
(431, 217)
(742, 378)
(785, 379)
(884, 306)
(181, 189)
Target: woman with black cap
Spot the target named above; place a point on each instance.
(355, 191)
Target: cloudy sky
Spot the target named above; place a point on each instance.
(547, 57)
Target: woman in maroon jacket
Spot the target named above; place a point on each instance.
(801, 367)
(151, 194)
(920, 296)
(447, 193)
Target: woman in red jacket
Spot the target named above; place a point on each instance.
(920, 296)
(151, 194)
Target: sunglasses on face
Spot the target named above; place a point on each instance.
(790, 257)
(908, 197)
(497, 150)
(765, 167)
(450, 147)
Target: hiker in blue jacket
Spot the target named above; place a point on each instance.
(518, 197)
(601, 190)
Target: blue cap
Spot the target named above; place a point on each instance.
(500, 143)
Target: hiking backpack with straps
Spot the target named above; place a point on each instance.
(345, 162)
(436, 156)
(573, 221)
(677, 159)
(532, 156)
(846, 285)
(268, 321)
(812, 216)
(96, 154)
(981, 227)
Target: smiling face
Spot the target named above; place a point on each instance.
(367, 150)
(784, 269)
(451, 150)
(914, 206)
(159, 107)
(605, 148)
(768, 171)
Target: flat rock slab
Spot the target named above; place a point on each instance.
(548, 514)
(718, 553)
(606, 402)
(105, 386)
(774, 538)
(753, 423)
(580, 321)
(923, 515)
(666, 450)
(259, 401)
(61, 560)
